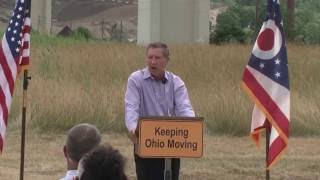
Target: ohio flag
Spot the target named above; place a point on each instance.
(266, 81)
(14, 55)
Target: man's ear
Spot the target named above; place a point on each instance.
(65, 151)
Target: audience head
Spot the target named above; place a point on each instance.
(102, 163)
(81, 139)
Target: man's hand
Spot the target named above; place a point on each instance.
(132, 136)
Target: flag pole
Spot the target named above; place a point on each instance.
(267, 148)
(26, 79)
(24, 110)
(167, 169)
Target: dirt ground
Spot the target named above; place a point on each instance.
(225, 158)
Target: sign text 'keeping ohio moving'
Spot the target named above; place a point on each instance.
(168, 139)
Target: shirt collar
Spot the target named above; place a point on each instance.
(147, 74)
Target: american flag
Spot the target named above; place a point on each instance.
(266, 81)
(14, 55)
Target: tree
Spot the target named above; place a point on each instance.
(291, 20)
(257, 14)
(233, 25)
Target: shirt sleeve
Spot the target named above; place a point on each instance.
(182, 103)
(132, 104)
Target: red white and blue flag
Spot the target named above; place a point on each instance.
(266, 80)
(14, 55)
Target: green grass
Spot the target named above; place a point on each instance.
(77, 81)
(49, 40)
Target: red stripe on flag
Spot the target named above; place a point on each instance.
(267, 102)
(4, 107)
(26, 29)
(1, 143)
(24, 61)
(25, 45)
(6, 70)
(275, 150)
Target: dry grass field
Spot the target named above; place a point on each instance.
(84, 81)
(225, 158)
(76, 81)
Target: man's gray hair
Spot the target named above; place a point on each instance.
(163, 46)
(81, 139)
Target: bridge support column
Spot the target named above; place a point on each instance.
(41, 15)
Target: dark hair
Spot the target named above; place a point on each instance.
(81, 139)
(103, 163)
(163, 46)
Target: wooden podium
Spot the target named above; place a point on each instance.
(170, 137)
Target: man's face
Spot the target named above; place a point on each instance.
(156, 62)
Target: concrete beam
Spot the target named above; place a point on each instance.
(173, 21)
(41, 15)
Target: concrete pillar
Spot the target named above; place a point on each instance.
(177, 21)
(41, 15)
(173, 21)
(201, 21)
(148, 21)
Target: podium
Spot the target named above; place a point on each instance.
(170, 137)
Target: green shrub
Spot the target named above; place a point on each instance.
(82, 33)
(307, 27)
(231, 27)
(239, 24)
(311, 33)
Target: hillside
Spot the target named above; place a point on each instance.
(99, 16)
(4, 12)
(64, 10)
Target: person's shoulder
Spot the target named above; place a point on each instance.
(136, 74)
(70, 175)
(173, 76)
(175, 80)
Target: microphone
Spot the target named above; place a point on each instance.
(164, 80)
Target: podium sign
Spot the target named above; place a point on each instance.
(170, 137)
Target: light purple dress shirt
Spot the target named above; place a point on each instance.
(71, 174)
(146, 96)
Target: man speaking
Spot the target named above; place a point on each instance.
(153, 91)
